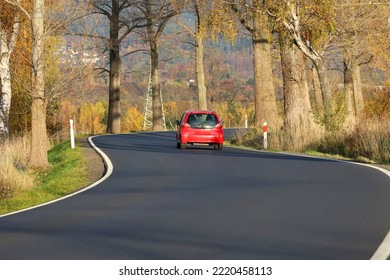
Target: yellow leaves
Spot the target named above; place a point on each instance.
(92, 118)
(221, 22)
(318, 20)
(171, 109)
(133, 120)
(314, 19)
(216, 19)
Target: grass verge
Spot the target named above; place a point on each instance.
(66, 174)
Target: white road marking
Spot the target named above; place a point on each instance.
(383, 252)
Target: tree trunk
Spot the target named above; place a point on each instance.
(38, 153)
(265, 103)
(318, 61)
(201, 81)
(316, 90)
(354, 102)
(200, 77)
(325, 90)
(7, 45)
(5, 93)
(114, 105)
(153, 36)
(298, 119)
(296, 95)
(357, 88)
(156, 96)
(350, 112)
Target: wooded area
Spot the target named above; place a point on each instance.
(316, 71)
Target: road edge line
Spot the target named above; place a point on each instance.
(109, 168)
(383, 251)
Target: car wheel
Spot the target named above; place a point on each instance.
(182, 145)
(178, 145)
(220, 146)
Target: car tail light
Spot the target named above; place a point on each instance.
(218, 125)
(185, 125)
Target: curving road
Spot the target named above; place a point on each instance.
(200, 203)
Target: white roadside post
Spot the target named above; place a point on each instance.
(71, 134)
(265, 131)
(246, 121)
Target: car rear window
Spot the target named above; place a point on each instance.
(202, 120)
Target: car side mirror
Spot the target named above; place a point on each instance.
(177, 122)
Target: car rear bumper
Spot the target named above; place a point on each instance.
(204, 136)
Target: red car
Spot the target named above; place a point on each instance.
(199, 127)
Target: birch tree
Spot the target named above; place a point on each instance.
(311, 24)
(40, 30)
(9, 29)
(38, 153)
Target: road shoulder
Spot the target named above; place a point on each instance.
(94, 163)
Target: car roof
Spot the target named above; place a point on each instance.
(200, 112)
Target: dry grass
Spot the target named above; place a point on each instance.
(296, 139)
(14, 176)
(369, 142)
(66, 174)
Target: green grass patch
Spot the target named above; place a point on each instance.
(315, 153)
(67, 173)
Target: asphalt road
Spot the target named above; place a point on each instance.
(200, 203)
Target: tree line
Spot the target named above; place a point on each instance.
(309, 35)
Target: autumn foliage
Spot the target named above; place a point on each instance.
(345, 38)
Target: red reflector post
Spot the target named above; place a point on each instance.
(265, 127)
